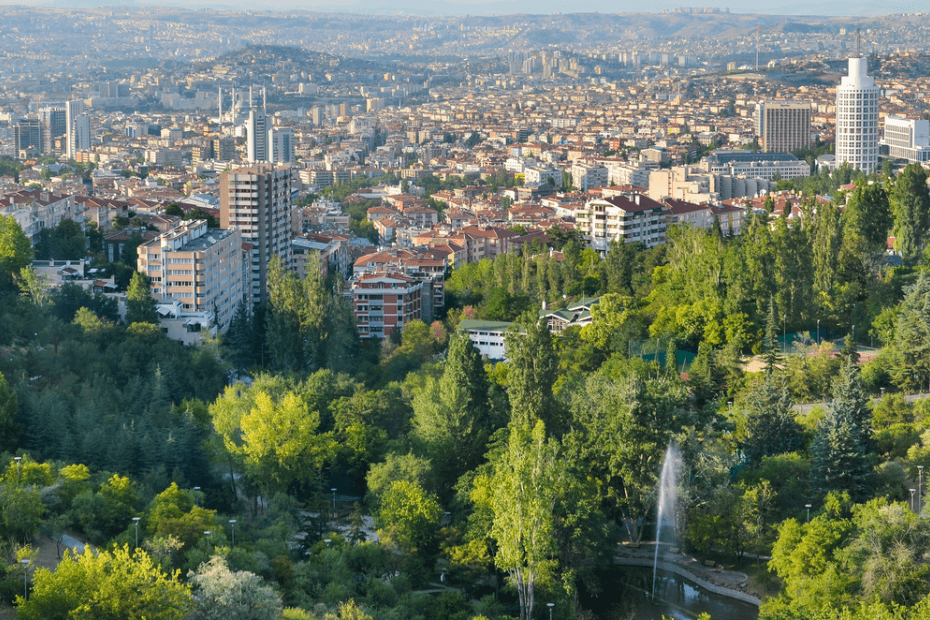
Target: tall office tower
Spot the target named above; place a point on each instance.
(257, 201)
(907, 138)
(783, 126)
(78, 128)
(257, 138)
(316, 115)
(27, 133)
(281, 145)
(857, 118)
(54, 125)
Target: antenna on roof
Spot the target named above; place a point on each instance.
(858, 42)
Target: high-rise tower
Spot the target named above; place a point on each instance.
(257, 136)
(857, 118)
(78, 128)
(783, 126)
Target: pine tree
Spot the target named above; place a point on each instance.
(239, 339)
(771, 427)
(910, 201)
(770, 352)
(140, 307)
(843, 444)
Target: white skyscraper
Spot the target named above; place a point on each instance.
(257, 136)
(78, 128)
(281, 145)
(857, 118)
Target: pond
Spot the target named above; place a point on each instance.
(625, 595)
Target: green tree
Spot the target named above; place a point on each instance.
(910, 369)
(531, 374)
(910, 201)
(528, 481)
(771, 427)
(15, 250)
(140, 307)
(410, 516)
(223, 594)
(9, 431)
(106, 585)
(452, 415)
(843, 441)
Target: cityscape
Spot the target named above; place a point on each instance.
(329, 316)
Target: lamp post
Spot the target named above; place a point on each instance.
(25, 564)
(17, 459)
(232, 522)
(196, 494)
(136, 523)
(808, 506)
(912, 498)
(208, 533)
(920, 489)
(550, 605)
(818, 331)
(784, 335)
(334, 502)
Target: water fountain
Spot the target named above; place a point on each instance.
(668, 501)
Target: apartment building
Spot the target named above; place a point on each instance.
(198, 268)
(737, 162)
(586, 176)
(783, 126)
(384, 302)
(631, 219)
(257, 201)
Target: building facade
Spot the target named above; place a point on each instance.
(257, 201)
(783, 126)
(77, 125)
(628, 219)
(198, 268)
(257, 136)
(906, 138)
(384, 302)
(857, 118)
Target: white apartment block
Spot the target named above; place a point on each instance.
(586, 177)
(197, 267)
(633, 219)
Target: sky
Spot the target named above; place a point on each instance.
(851, 8)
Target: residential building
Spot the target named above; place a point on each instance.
(857, 118)
(257, 201)
(53, 120)
(281, 146)
(489, 337)
(224, 149)
(586, 176)
(576, 314)
(906, 138)
(198, 267)
(630, 219)
(783, 126)
(384, 302)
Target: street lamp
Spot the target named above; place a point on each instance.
(17, 459)
(818, 331)
(136, 520)
(208, 533)
(784, 335)
(25, 564)
(334, 502)
(232, 522)
(550, 605)
(808, 506)
(920, 488)
(912, 498)
(196, 498)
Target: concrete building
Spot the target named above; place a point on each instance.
(906, 138)
(696, 185)
(27, 136)
(383, 302)
(281, 145)
(857, 118)
(54, 125)
(224, 149)
(630, 219)
(78, 128)
(197, 267)
(257, 201)
(737, 162)
(586, 177)
(489, 337)
(783, 126)
(257, 136)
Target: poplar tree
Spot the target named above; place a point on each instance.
(910, 201)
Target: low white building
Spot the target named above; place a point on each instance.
(488, 336)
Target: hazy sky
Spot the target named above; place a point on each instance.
(851, 8)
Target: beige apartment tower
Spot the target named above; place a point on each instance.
(199, 268)
(257, 201)
(783, 126)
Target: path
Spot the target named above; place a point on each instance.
(718, 580)
(909, 398)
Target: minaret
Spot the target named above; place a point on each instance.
(220, 102)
